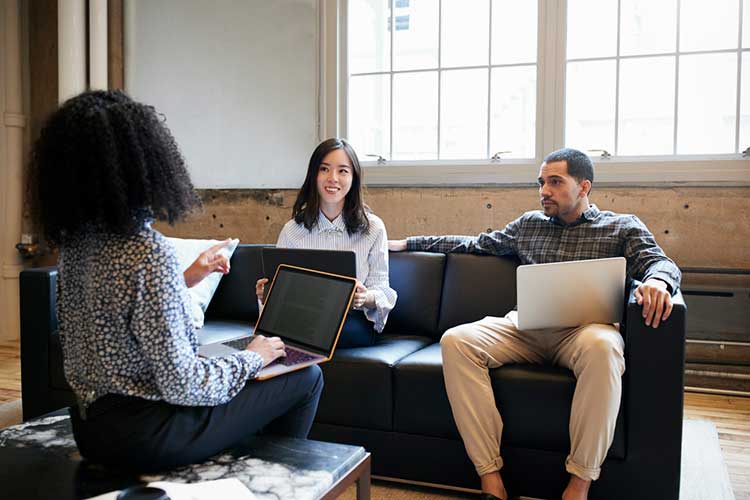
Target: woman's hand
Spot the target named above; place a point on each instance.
(209, 261)
(362, 298)
(269, 348)
(260, 288)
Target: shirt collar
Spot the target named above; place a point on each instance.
(588, 215)
(337, 225)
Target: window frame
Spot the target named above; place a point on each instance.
(669, 170)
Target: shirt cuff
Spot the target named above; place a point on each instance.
(254, 362)
(666, 278)
(378, 314)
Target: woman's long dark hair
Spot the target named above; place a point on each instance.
(103, 160)
(307, 206)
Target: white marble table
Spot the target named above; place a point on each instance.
(39, 460)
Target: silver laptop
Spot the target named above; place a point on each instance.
(306, 309)
(573, 293)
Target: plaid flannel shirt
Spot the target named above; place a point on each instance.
(537, 239)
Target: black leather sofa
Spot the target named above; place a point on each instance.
(391, 397)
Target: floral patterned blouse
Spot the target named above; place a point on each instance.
(125, 325)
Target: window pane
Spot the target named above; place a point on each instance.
(369, 39)
(463, 114)
(646, 106)
(415, 105)
(514, 31)
(590, 105)
(592, 28)
(707, 101)
(708, 25)
(745, 104)
(513, 111)
(465, 33)
(746, 24)
(415, 41)
(369, 115)
(647, 26)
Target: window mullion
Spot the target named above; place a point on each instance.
(439, 72)
(393, 29)
(676, 79)
(489, 80)
(551, 62)
(617, 80)
(737, 148)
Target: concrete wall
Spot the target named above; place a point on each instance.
(697, 227)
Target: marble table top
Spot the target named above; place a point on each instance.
(40, 460)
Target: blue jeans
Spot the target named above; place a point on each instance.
(357, 331)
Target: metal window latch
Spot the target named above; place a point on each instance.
(746, 153)
(380, 159)
(497, 157)
(604, 153)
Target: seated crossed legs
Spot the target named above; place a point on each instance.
(593, 352)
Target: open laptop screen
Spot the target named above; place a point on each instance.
(306, 307)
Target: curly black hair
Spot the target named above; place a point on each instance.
(307, 206)
(105, 161)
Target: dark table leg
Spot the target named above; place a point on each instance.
(359, 474)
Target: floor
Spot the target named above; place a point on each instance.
(730, 414)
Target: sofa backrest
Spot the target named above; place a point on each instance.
(235, 296)
(417, 277)
(435, 291)
(476, 286)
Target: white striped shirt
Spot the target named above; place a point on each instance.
(371, 249)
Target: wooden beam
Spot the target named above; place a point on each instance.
(115, 43)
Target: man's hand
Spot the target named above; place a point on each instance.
(260, 288)
(654, 296)
(269, 348)
(210, 261)
(361, 297)
(396, 245)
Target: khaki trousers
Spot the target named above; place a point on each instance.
(593, 352)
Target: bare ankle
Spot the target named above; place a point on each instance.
(578, 489)
(493, 483)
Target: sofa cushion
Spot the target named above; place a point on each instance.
(358, 383)
(417, 277)
(534, 401)
(235, 297)
(476, 286)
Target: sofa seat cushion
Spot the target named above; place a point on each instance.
(358, 389)
(534, 401)
(215, 330)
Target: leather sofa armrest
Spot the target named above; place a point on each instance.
(653, 390)
(38, 322)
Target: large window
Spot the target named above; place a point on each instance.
(442, 79)
(445, 83)
(655, 77)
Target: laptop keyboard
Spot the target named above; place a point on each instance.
(238, 344)
(293, 357)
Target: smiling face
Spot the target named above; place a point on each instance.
(334, 181)
(561, 195)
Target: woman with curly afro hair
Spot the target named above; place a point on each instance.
(103, 169)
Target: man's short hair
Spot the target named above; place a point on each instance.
(580, 166)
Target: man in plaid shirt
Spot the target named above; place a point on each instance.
(567, 228)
